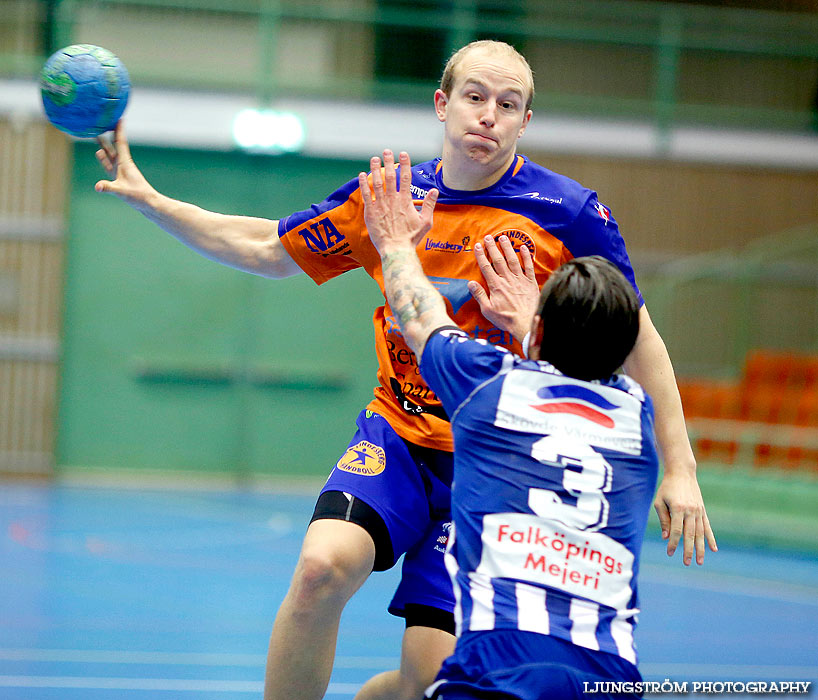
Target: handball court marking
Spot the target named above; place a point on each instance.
(44, 634)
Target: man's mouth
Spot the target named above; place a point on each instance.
(483, 137)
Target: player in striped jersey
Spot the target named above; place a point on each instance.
(554, 470)
(389, 493)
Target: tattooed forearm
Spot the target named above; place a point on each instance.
(415, 302)
(410, 294)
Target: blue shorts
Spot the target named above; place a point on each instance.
(410, 488)
(514, 665)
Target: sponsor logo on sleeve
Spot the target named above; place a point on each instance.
(323, 238)
(364, 458)
(539, 197)
(603, 212)
(443, 539)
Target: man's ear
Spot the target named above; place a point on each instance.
(526, 119)
(535, 339)
(441, 102)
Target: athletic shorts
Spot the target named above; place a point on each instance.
(410, 488)
(515, 665)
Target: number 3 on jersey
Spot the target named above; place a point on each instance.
(586, 477)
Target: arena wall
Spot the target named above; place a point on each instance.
(34, 171)
(171, 361)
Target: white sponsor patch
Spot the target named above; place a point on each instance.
(548, 404)
(528, 548)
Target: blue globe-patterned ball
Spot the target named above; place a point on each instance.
(84, 89)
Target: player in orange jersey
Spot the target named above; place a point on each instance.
(389, 492)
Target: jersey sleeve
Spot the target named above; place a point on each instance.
(328, 239)
(597, 233)
(455, 365)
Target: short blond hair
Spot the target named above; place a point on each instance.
(448, 77)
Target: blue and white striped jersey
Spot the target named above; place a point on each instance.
(553, 482)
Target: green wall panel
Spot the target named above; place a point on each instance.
(171, 361)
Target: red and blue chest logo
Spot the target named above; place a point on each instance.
(548, 404)
(576, 401)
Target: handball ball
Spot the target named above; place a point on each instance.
(85, 89)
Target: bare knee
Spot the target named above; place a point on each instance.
(322, 576)
(335, 560)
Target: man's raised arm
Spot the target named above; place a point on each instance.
(246, 243)
(678, 503)
(395, 228)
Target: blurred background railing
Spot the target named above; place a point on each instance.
(666, 62)
(761, 295)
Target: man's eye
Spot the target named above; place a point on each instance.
(474, 98)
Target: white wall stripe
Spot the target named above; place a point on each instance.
(532, 615)
(584, 618)
(162, 117)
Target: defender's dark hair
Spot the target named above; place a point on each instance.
(590, 317)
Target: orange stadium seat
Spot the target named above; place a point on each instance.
(763, 367)
(770, 415)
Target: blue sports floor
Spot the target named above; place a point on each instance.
(171, 594)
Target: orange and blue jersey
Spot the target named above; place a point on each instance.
(555, 217)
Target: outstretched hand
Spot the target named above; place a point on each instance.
(683, 518)
(513, 292)
(126, 181)
(389, 212)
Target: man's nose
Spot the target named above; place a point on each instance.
(489, 115)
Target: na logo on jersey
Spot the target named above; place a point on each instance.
(576, 401)
(321, 236)
(364, 458)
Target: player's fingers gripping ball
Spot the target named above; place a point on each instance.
(84, 89)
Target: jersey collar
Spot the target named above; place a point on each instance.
(512, 170)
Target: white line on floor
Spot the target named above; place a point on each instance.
(153, 684)
(164, 658)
